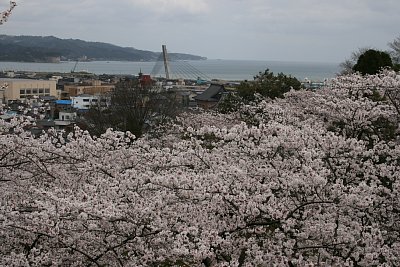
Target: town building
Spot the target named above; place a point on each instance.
(65, 122)
(20, 89)
(95, 87)
(211, 97)
(2, 91)
(65, 119)
(85, 102)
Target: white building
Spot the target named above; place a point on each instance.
(65, 118)
(85, 102)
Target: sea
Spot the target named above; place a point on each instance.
(231, 70)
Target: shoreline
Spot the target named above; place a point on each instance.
(214, 69)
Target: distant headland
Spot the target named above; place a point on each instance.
(53, 49)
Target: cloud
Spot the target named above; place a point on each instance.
(246, 29)
(174, 6)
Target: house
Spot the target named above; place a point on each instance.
(85, 102)
(211, 96)
(63, 104)
(8, 115)
(66, 120)
(94, 87)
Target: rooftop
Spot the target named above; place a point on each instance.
(212, 93)
(22, 80)
(63, 102)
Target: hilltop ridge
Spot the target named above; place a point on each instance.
(52, 49)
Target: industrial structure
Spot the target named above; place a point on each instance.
(175, 69)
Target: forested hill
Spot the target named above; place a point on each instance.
(41, 49)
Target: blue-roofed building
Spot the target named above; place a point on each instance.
(64, 102)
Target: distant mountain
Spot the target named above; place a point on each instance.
(50, 49)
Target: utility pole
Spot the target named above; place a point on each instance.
(166, 63)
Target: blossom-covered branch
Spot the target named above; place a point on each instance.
(5, 14)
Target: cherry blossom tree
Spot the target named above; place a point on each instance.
(395, 52)
(278, 183)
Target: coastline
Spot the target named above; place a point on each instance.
(213, 68)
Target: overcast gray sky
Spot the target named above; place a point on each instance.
(287, 30)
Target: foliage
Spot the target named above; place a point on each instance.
(395, 53)
(274, 187)
(231, 103)
(372, 62)
(73, 49)
(346, 67)
(133, 108)
(268, 85)
(25, 54)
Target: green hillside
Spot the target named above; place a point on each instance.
(41, 49)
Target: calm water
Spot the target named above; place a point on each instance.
(211, 69)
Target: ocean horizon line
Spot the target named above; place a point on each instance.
(211, 68)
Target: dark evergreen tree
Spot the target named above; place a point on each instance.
(372, 61)
(268, 84)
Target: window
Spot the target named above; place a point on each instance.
(94, 100)
(28, 91)
(34, 91)
(47, 90)
(22, 91)
(86, 100)
(41, 90)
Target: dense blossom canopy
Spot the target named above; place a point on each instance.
(310, 179)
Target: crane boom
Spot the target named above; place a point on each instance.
(74, 68)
